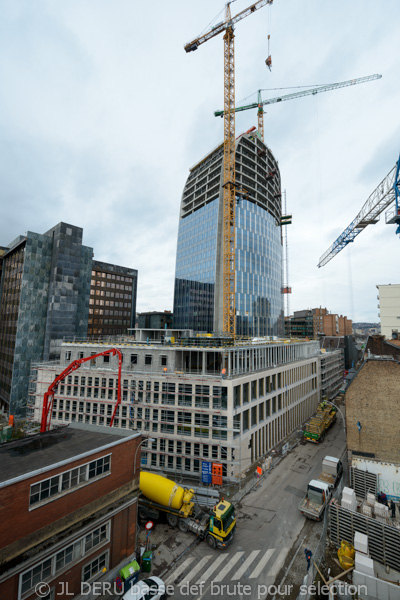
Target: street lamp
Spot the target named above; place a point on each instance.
(337, 408)
(134, 460)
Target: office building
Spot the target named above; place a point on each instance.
(177, 394)
(45, 293)
(389, 310)
(69, 506)
(112, 304)
(44, 296)
(155, 320)
(198, 302)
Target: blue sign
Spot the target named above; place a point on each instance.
(205, 471)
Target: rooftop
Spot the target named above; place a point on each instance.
(24, 458)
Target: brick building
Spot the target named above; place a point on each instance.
(69, 505)
(371, 402)
(316, 322)
(379, 346)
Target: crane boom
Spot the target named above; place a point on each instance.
(321, 88)
(228, 23)
(229, 175)
(48, 399)
(378, 201)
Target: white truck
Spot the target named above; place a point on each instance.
(316, 500)
(332, 470)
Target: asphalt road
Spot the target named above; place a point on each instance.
(270, 530)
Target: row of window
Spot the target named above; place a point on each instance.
(110, 276)
(62, 483)
(66, 557)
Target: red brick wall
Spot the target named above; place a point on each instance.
(18, 521)
(121, 546)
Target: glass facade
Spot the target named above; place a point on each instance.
(258, 272)
(195, 269)
(198, 298)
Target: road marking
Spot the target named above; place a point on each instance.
(228, 567)
(245, 565)
(262, 563)
(197, 568)
(179, 570)
(212, 568)
(277, 564)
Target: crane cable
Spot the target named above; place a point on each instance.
(318, 181)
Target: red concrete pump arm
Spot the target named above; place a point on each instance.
(49, 395)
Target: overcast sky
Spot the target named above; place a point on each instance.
(102, 113)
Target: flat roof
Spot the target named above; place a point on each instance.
(20, 459)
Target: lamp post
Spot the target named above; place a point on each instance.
(342, 415)
(142, 442)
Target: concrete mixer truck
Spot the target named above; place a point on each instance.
(161, 495)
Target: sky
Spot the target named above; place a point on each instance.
(102, 114)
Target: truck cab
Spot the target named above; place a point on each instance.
(222, 525)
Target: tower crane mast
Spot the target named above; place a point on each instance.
(381, 198)
(226, 27)
(317, 90)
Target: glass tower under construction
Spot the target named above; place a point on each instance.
(198, 298)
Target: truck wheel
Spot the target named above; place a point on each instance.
(182, 525)
(142, 513)
(172, 520)
(211, 541)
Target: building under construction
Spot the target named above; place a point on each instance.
(198, 298)
(197, 398)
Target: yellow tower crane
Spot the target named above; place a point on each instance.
(226, 27)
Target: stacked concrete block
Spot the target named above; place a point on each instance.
(361, 543)
(364, 564)
(367, 510)
(349, 499)
(381, 512)
(371, 499)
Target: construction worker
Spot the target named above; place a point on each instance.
(308, 554)
(223, 373)
(165, 370)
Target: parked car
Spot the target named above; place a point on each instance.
(151, 588)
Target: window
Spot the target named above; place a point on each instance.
(106, 358)
(163, 360)
(63, 559)
(68, 355)
(60, 484)
(95, 567)
(133, 359)
(147, 359)
(39, 573)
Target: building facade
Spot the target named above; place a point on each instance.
(155, 320)
(112, 304)
(389, 310)
(69, 508)
(332, 372)
(198, 302)
(51, 290)
(175, 394)
(44, 296)
(316, 322)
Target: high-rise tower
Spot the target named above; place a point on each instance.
(198, 299)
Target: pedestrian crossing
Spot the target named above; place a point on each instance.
(227, 566)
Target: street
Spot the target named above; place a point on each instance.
(268, 525)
